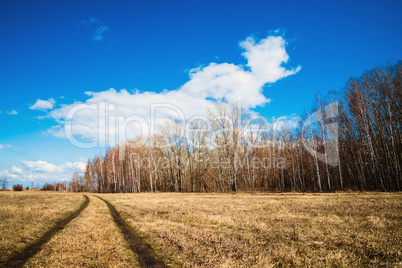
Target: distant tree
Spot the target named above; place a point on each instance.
(18, 187)
(46, 187)
(3, 182)
(229, 151)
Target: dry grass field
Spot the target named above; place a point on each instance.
(26, 216)
(212, 230)
(90, 240)
(268, 230)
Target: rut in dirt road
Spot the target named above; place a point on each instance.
(136, 245)
(20, 259)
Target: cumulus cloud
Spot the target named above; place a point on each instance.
(42, 171)
(266, 57)
(4, 146)
(40, 166)
(43, 166)
(15, 170)
(111, 116)
(43, 104)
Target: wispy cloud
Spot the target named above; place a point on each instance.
(99, 28)
(4, 146)
(43, 104)
(13, 112)
(99, 33)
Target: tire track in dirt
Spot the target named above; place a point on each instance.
(20, 259)
(145, 258)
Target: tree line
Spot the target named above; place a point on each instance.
(350, 139)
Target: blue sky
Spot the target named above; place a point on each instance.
(57, 50)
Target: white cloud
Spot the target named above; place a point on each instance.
(15, 170)
(8, 174)
(13, 112)
(286, 122)
(72, 167)
(40, 166)
(4, 146)
(43, 166)
(42, 171)
(43, 104)
(226, 81)
(265, 59)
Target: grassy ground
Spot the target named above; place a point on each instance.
(90, 240)
(267, 230)
(213, 230)
(26, 216)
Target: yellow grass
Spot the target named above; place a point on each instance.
(90, 240)
(268, 230)
(26, 216)
(214, 230)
